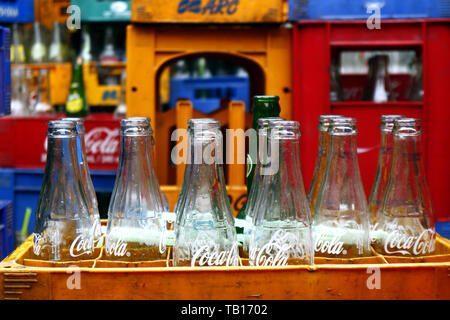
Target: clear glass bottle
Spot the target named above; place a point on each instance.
(204, 226)
(57, 50)
(17, 47)
(406, 227)
(321, 160)
(341, 220)
(38, 51)
(282, 232)
(135, 229)
(244, 223)
(378, 88)
(86, 176)
(64, 227)
(383, 168)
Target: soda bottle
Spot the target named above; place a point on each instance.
(263, 107)
(57, 51)
(64, 228)
(135, 229)
(244, 226)
(341, 220)
(383, 168)
(76, 104)
(378, 88)
(38, 52)
(108, 55)
(321, 160)
(17, 47)
(406, 227)
(282, 232)
(86, 176)
(204, 226)
(86, 50)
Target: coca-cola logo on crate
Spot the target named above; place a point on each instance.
(102, 146)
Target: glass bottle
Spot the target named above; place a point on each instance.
(383, 168)
(38, 52)
(321, 160)
(121, 108)
(263, 107)
(341, 220)
(336, 91)
(76, 104)
(282, 232)
(17, 47)
(64, 228)
(135, 230)
(406, 227)
(378, 88)
(109, 54)
(42, 101)
(19, 91)
(86, 50)
(86, 176)
(244, 225)
(57, 50)
(204, 226)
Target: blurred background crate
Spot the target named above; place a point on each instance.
(104, 11)
(5, 78)
(7, 242)
(17, 11)
(362, 9)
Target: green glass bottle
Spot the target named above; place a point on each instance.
(263, 107)
(76, 104)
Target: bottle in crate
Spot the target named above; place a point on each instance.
(383, 168)
(204, 226)
(86, 176)
(135, 229)
(64, 227)
(244, 225)
(321, 160)
(341, 220)
(282, 232)
(406, 226)
(76, 104)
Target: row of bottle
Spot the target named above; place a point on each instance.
(278, 225)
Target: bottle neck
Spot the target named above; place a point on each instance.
(265, 109)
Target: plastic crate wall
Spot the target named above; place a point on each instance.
(214, 88)
(5, 72)
(104, 11)
(17, 11)
(6, 229)
(361, 9)
(22, 187)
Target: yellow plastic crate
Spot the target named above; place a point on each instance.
(24, 278)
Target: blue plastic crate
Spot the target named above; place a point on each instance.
(206, 93)
(5, 72)
(17, 11)
(358, 9)
(443, 228)
(22, 187)
(7, 244)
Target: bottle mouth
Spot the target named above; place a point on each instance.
(79, 122)
(61, 129)
(407, 127)
(264, 122)
(135, 126)
(325, 121)
(283, 129)
(343, 126)
(266, 98)
(388, 120)
(203, 124)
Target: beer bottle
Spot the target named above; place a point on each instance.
(341, 220)
(76, 104)
(383, 168)
(263, 107)
(406, 227)
(135, 229)
(204, 226)
(282, 232)
(64, 228)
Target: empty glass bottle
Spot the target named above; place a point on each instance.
(204, 226)
(38, 51)
(321, 160)
(406, 227)
(383, 169)
(341, 220)
(86, 176)
(64, 228)
(57, 49)
(244, 222)
(135, 229)
(378, 88)
(282, 232)
(17, 48)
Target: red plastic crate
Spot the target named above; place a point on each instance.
(23, 141)
(313, 44)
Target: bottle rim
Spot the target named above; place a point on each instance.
(265, 122)
(61, 129)
(135, 126)
(343, 126)
(407, 127)
(284, 129)
(387, 121)
(263, 98)
(325, 120)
